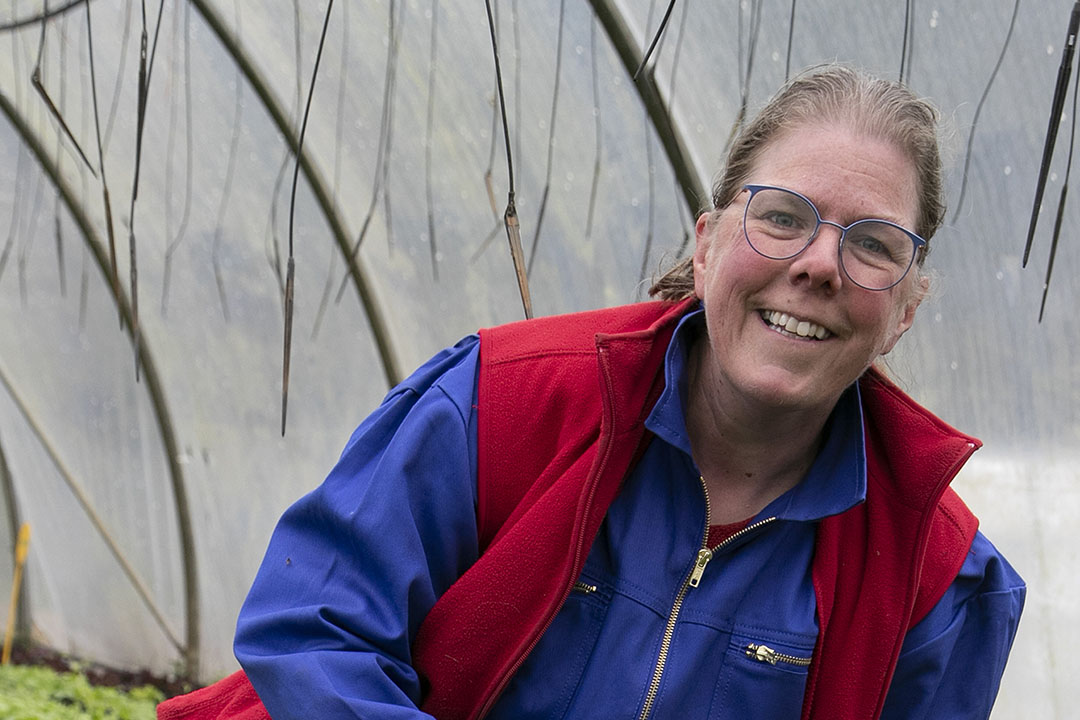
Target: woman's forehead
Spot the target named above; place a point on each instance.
(841, 170)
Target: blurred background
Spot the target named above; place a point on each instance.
(160, 139)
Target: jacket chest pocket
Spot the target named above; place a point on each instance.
(762, 678)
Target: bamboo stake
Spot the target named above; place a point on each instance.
(22, 544)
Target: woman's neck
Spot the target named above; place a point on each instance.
(748, 454)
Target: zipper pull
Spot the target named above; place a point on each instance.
(761, 653)
(704, 555)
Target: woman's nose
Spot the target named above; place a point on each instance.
(818, 264)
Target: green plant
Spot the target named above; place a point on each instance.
(38, 693)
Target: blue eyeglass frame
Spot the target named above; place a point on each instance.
(916, 240)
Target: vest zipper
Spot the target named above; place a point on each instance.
(704, 555)
(584, 588)
(764, 653)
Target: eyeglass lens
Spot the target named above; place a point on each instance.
(780, 224)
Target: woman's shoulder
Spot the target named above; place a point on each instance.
(574, 332)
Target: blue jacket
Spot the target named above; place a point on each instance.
(327, 629)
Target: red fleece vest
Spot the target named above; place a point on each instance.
(560, 423)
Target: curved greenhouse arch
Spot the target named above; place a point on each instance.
(357, 271)
(154, 386)
(630, 54)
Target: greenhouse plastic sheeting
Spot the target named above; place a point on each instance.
(152, 487)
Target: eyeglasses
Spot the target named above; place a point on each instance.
(875, 254)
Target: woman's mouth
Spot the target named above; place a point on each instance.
(786, 324)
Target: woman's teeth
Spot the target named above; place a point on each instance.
(793, 325)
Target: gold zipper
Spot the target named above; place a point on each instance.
(584, 587)
(764, 653)
(704, 555)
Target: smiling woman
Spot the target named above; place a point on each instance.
(721, 509)
(755, 379)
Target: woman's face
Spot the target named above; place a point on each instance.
(849, 177)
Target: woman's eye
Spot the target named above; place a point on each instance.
(872, 245)
(782, 219)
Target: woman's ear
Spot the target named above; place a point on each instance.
(703, 238)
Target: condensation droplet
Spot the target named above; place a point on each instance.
(999, 275)
(775, 56)
(938, 317)
(1008, 169)
(954, 365)
(1049, 49)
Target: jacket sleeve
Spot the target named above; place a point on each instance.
(951, 663)
(354, 567)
